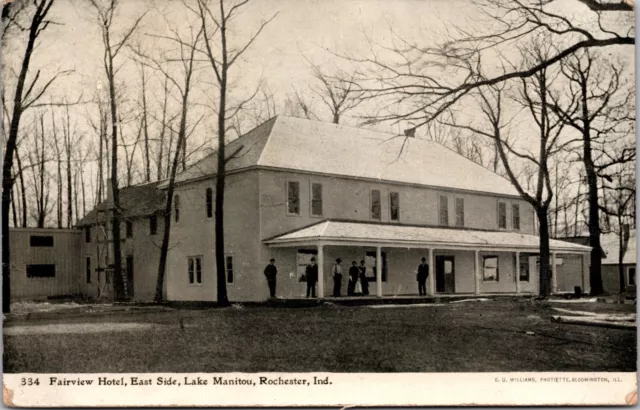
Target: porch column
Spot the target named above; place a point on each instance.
(476, 282)
(320, 271)
(554, 273)
(517, 272)
(379, 271)
(432, 275)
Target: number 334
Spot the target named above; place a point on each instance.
(29, 382)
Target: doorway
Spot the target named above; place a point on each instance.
(130, 276)
(445, 274)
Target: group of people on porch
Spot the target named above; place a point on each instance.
(358, 281)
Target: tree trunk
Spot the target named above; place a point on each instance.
(13, 207)
(545, 266)
(147, 159)
(23, 193)
(595, 273)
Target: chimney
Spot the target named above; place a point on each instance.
(109, 190)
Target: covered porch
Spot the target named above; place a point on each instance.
(461, 261)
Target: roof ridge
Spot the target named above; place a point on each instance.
(269, 134)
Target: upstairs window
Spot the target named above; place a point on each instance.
(316, 199)
(394, 206)
(153, 225)
(209, 200)
(376, 209)
(194, 270)
(41, 241)
(502, 215)
(515, 216)
(87, 234)
(129, 229)
(293, 198)
(443, 210)
(459, 211)
(176, 208)
(490, 268)
(228, 263)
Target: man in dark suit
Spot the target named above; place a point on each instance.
(353, 279)
(270, 273)
(423, 274)
(312, 277)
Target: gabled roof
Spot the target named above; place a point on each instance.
(406, 235)
(611, 246)
(311, 146)
(135, 201)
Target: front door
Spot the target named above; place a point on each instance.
(445, 271)
(130, 276)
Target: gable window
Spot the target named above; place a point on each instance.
(176, 208)
(293, 198)
(490, 268)
(41, 241)
(515, 216)
(88, 269)
(153, 225)
(376, 207)
(129, 229)
(228, 264)
(631, 276)
(194, 268)
(394, 206)
(41, 271)
(316, 199)
(502, 215)
(87, 234)
(443, 210)
(209, 199)
(459, 211)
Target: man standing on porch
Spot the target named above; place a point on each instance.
(312, 278)
(337, 278)
(270, 272)
(423, 274)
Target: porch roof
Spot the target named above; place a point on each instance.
(375, 234)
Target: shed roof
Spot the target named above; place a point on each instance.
(135, 201)
(311, 146)
(405, 235)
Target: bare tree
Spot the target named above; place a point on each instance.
(106, 15)
(222, 56)
(41, 179)
(58, 151)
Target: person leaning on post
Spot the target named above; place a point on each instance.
(270, 272)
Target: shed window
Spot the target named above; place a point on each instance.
(153, 225)
(490, 268)
(176, 208)
(376, 210)
(209, 200)
(316, 199)
(459, 211)
(293, 198)
(515, 216)
(502, 215)
(41, 241)
(88, 269)
(229, 268)
(394, 206)
(443, 210)
(195, 270)
(129, 229)
(87, 234)
(41, 271)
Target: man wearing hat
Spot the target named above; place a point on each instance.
(312, 277)
(337, 278)
(270, 273)
(423, 274)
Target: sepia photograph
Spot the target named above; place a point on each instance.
(213, 202)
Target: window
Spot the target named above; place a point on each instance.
(515, 216)
(176, 208)
(443, 206)
(459, 211)
(129, 229)
(87, 234)
(195, 270)
(524, 267)
(376, 209)
(502, 215)
(228, 263)
(41, 241)
(490, 268)
(316, 199)
(631, 273)
(88, 268)
(293, 198)
(153, 224)
(209, 199)
(394, 206)
(41, 271)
